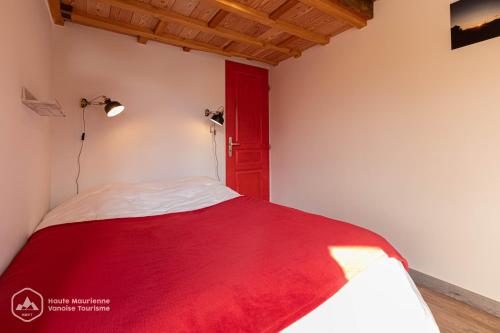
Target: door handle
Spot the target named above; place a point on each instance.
(230, 145)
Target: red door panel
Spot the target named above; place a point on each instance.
(247, 127)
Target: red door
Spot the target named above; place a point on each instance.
(247, 130)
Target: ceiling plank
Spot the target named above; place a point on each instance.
(214, 21)
(285, 6)
(55, 11)
(338, 11)
(263, 18)
(168, 15)
(132, 30)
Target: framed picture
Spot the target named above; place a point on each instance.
(473, 21)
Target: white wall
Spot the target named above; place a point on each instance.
(24, 136)
(388, 128)
(162, 134)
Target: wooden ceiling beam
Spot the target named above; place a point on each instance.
(142, 40)
(263, 18)
(340, 11)
(170, 16)
(286, 41)
(362, 7)
(227, 45)
(55, 11)
(217, 18)
(132, 30)
(281, 10)
(335, 33)
(160, 26)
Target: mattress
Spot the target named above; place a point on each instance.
(380, 298)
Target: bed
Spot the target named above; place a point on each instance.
(194, 256)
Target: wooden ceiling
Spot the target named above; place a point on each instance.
(268, 31)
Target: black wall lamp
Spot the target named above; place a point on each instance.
(216, 116)
(112, 108)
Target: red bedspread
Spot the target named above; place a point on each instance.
(242, 265)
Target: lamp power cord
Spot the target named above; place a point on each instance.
(214, 141)
(82, 138)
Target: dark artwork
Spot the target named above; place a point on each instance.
(473, 21)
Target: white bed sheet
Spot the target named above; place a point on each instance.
(141, 199)
(383, 298)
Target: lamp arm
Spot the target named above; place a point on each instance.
(85, 102)
(210, 112)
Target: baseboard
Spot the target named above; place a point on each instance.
(463, 295)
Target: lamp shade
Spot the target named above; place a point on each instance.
(218, 118)
(113, 108)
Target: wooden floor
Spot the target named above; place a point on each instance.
(453, 316)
